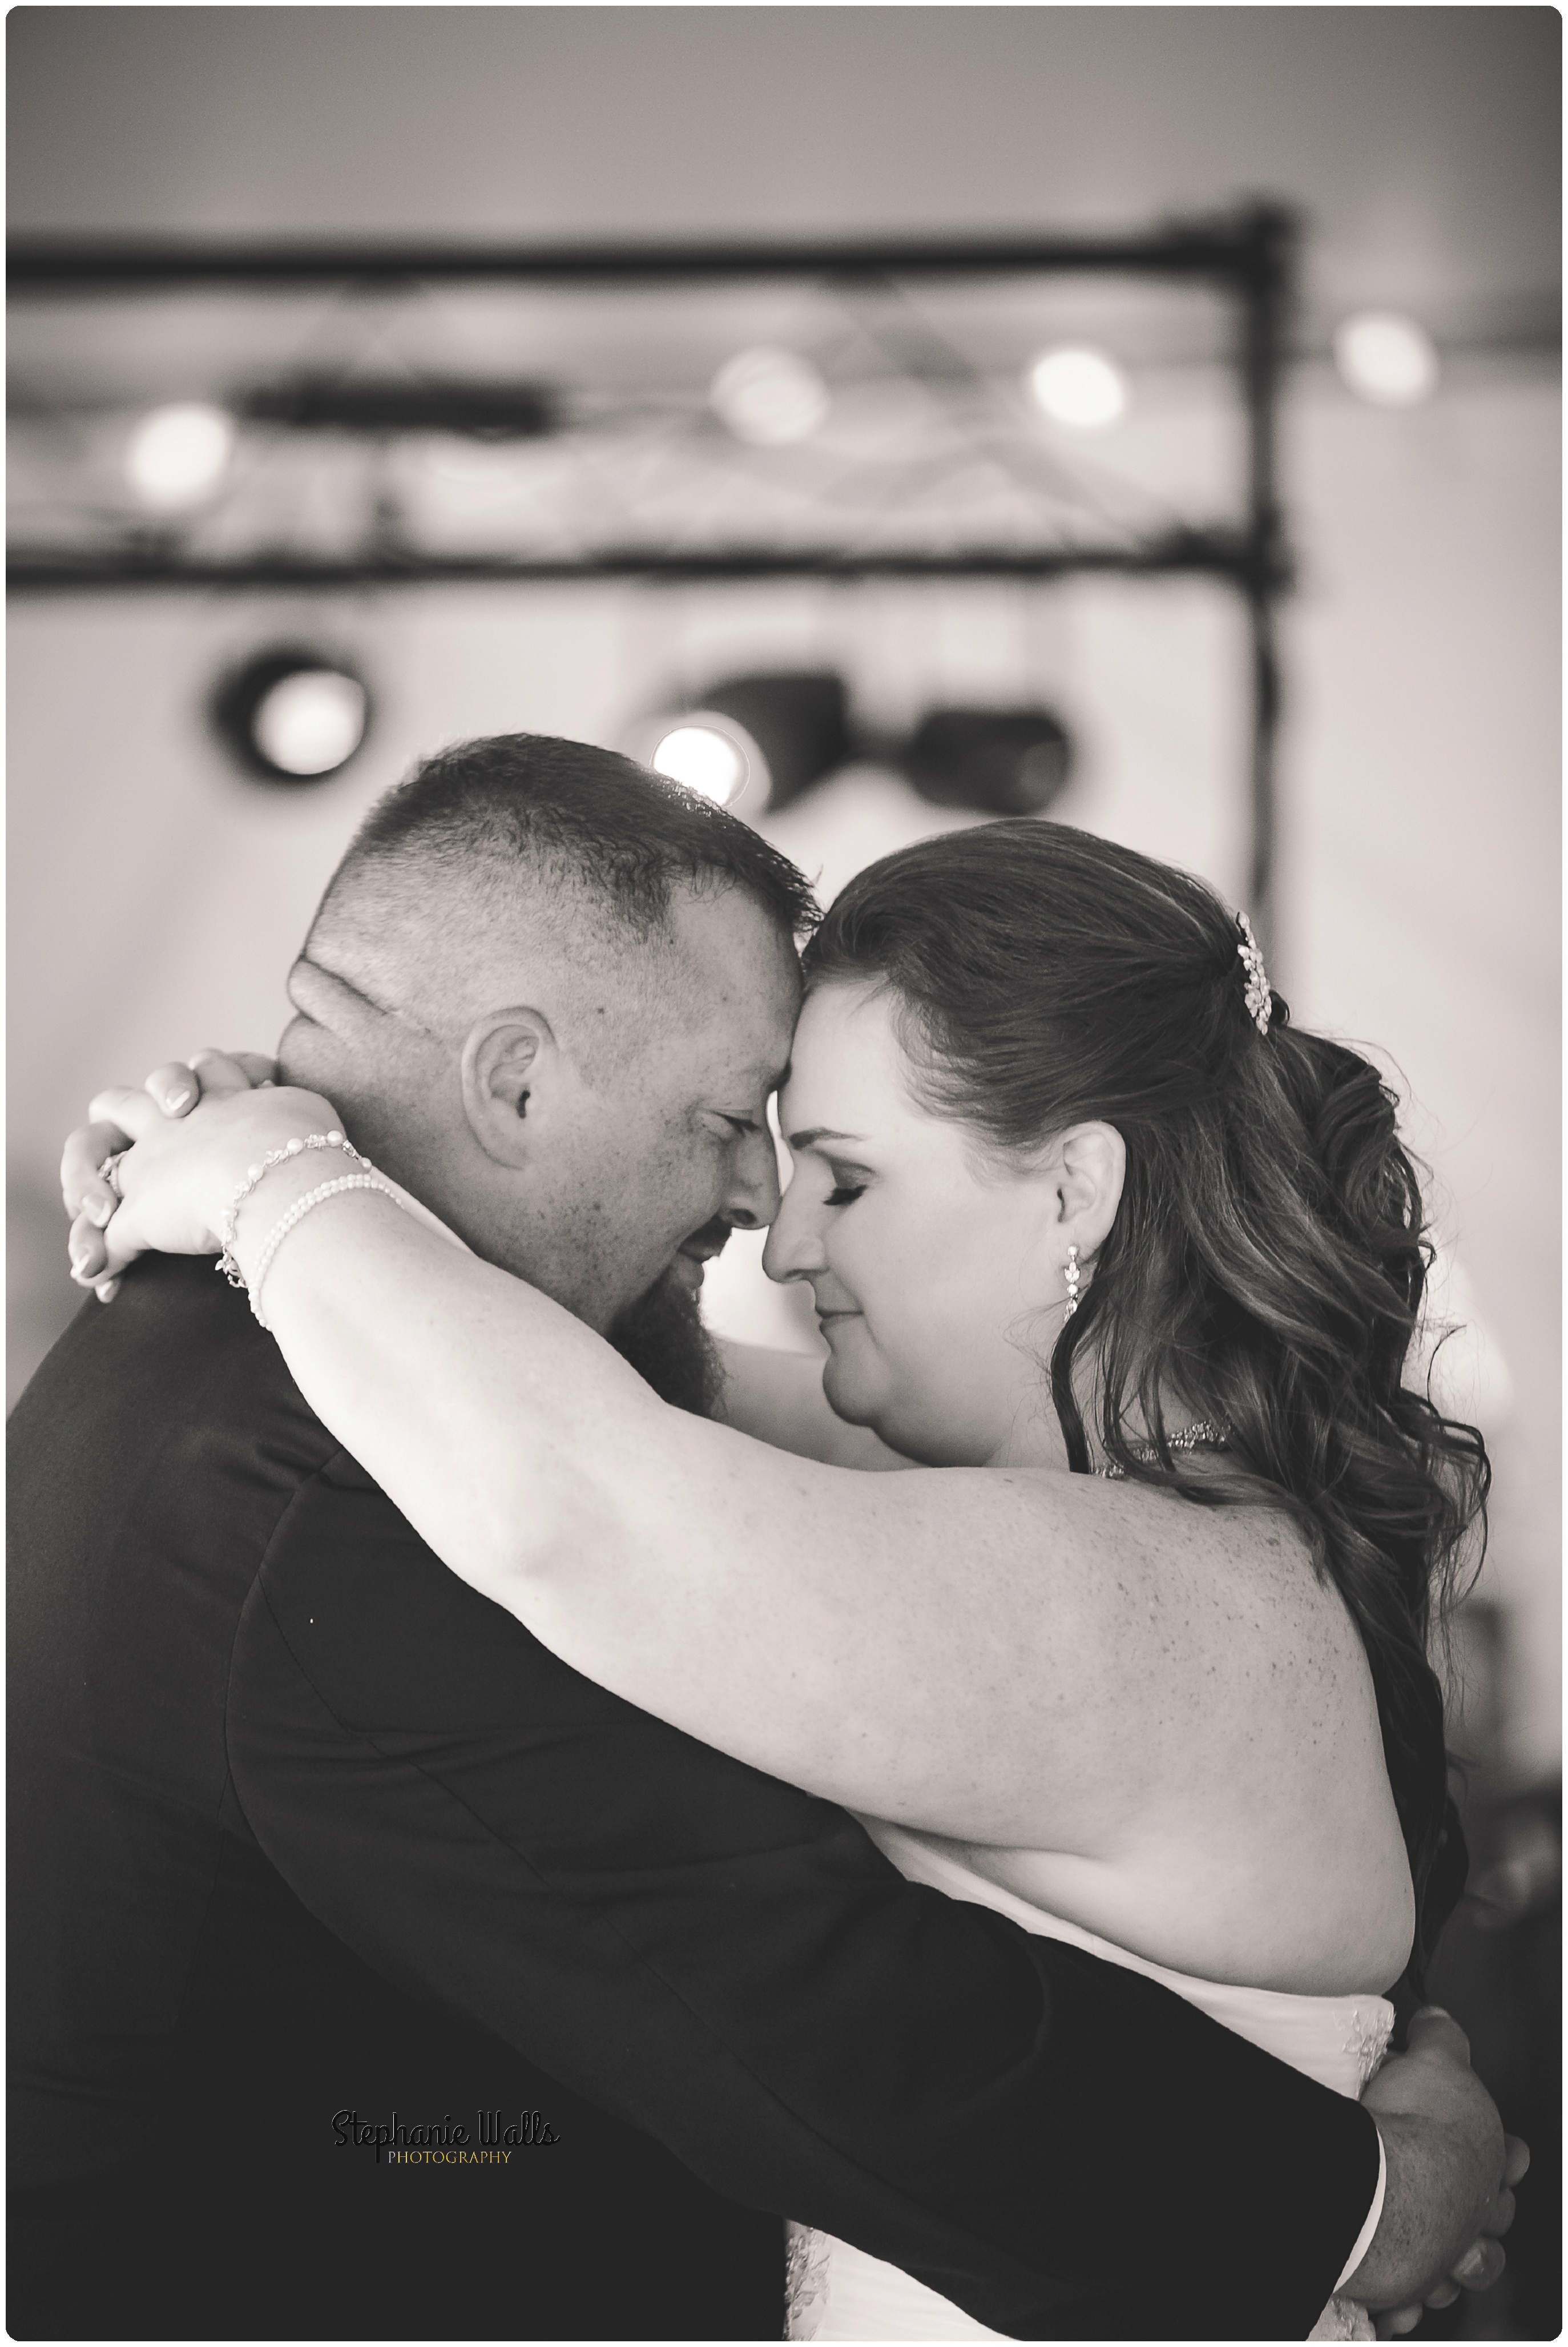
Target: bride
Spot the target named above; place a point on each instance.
(1136, 1650)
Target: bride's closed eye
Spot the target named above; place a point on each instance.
(845, 1190)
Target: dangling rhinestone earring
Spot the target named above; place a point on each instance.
(1070, 1276)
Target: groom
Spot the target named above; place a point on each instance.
(249, 1702)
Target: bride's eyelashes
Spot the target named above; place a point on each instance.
(845, 1190)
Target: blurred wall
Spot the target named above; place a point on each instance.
(156, 898)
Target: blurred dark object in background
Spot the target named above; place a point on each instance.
(999, 762)
(789, 730)
(374, 404)
(1498, 1970)
(799, 721)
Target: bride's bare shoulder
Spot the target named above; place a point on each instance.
(1236, 1593)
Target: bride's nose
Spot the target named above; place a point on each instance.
(793, 1249)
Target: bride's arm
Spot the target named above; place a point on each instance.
(774, 1396)
(956, 1649)
(872, 1638)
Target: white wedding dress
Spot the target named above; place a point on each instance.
(837, 2291)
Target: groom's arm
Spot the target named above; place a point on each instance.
(730, 1964)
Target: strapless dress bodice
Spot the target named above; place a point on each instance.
(836, 2291)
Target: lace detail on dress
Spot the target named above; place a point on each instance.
(1342, 2318)
(1371, 2027)
(805, 2279)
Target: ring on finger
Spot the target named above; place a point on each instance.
(109, 1172)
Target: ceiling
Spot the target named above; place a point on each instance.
(1422, 142)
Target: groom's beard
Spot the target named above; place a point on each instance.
(662, 1338)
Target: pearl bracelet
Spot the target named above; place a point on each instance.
(227, 1262)
(297, 1213)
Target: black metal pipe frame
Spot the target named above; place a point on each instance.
(1222, 249)
(1265, 320)
(1249, 254)
(1218, 554)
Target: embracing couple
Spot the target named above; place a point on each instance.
(982, 1802)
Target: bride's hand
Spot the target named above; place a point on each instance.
(176, 1086)
(183, 1159)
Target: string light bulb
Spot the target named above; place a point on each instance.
(178, 455)
(1386, 359)
(1080, 388)
(769, 397)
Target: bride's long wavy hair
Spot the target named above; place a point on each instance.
(1269, 1259)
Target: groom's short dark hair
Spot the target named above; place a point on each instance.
(583, 816)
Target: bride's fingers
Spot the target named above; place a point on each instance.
(130, 1107)
(178, 1084)
(99, 1255)
(224, 1071)
(88, 1252)
(1516, 2159)
(81, 1188)
(174, 1087)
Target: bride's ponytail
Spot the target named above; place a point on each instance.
(1269, 1259)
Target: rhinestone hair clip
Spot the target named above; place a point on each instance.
(1259, 996)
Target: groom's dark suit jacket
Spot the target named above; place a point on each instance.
(301, 1826)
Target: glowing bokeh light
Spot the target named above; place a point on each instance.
(1385, 359)
(1082, 388)
(178, 455)
(769, 397)
(311, 722)
(703, 759)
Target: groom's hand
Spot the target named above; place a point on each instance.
(1451, 2171)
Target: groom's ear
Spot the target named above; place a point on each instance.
(511, 1072)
